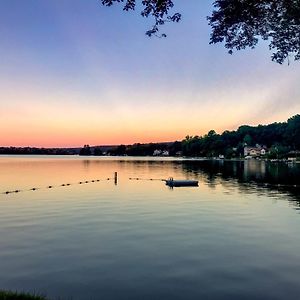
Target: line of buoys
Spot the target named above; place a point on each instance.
(52, 186)
(11, 192)
(151, 179)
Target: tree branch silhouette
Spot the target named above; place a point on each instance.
(239, 24)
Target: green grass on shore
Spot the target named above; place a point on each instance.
(8, 295)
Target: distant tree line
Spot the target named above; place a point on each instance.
(37, 151)
(87, 151)
(137, 149)
(280, 138)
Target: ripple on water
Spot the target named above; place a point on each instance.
(140, 240)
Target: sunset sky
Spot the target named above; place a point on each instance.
(75, 72)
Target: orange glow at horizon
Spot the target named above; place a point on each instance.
(48, 126)
(31, 117)
(67, 79)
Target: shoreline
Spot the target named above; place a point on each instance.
(168, 158)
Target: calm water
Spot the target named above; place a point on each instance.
(236, 236)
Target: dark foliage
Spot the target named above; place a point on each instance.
(292, 132)
(158, 9)
(280, 138)
(241, 23)
(37, 151)
(144, 149)
(119, 150)
(85, 151)
(98, 151)
(175, 148)
(140, 149)
(8, 295)
(238, 23)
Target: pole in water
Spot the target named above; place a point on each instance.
(116, 178)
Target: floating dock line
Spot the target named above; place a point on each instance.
(171, 182)
(174, 183)
(62, 185)
(261, 184)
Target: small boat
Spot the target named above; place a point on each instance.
(179, 183)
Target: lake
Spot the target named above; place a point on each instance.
(236, 236)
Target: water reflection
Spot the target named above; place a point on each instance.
(252, 176)
(231, 238)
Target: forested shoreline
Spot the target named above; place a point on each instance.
(280, 140)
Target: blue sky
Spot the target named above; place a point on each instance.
(75, 72)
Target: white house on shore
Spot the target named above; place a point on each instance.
(257, 151)
(161, 153)
(157, 152)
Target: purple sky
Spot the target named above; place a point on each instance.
(75, 72)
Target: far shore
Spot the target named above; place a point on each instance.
(284, 160)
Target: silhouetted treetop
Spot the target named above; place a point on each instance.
(158, 9)
(242, 23)
(86, 150)
(238, 23)
(280, 138)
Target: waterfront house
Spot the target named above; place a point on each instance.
(257, 151)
